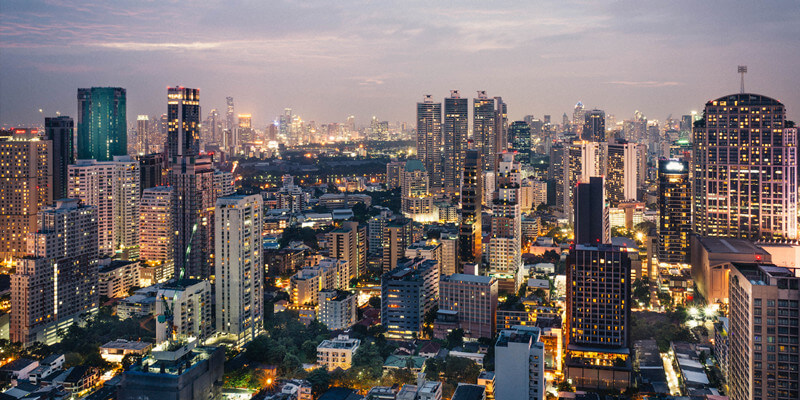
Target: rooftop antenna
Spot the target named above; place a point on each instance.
(742, 70)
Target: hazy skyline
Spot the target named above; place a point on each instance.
(327, 60)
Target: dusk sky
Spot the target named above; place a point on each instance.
(330, 59)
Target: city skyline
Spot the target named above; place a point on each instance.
(657, 58)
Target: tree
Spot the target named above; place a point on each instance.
(564, 386)
(641, 291)
(455, 338)
(375, 302)
(459, 369)
(319, 380)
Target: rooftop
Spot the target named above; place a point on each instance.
(122, 344)
(730, 246)
(469, 278)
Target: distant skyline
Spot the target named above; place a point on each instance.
(328, 60)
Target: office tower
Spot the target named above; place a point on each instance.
(583, 161)
(449, 263)
(745, 177)
(763, 352)
(239, 272)
(229, 124)
(471, 199)
(557, 173)
(113, 187)
(183, 110)
(151, 170)
(156, 233)
(598, 317)
(224, 183)
(686, 127)
(27, 186)
(456, 119)
(519, 134)
(408, 292)
(674, 210)
(102, 123)
(519, 364)
(143, 134)
(185, 305)
(416, 198)
(430, 141)
(394, 174)
(59, 131)
(397, 236)
(338, 309)
(349, 243)
(578, 119)
(624, 171)
(56, 283)
(483, 129)
(245, 129)
(473, 299)
(285, 124)
(212, 128)
(594, 126)
(591, 213)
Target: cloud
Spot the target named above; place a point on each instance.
(646, 84)
(144, 46)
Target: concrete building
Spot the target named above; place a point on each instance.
(175, 372)
(186, 308)
(112, 187)
(59, 131)
(407, 293)
(397, 236)
(470, 232)
(598, 317)
(763, 345)
(337, 309)
(328, 274)
(711, 263)
(455, 131)
(156, 234)
(239, 270)
(394, 174)
(417, 201)
(429, 142)
(116, 278)
(591, 214)
(474, 299)
(27, 187)
(674, 210)
(116, 350)
(623, 171)
(337, 353)
(730, 196)
(519, 364)
(57, 282)
(349, 243)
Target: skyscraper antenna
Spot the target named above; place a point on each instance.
(742, 70)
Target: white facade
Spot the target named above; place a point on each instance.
(189, 303)
(113, 187)
(519, 364)
(337, 310)
(238, 268)
(156, 233)
(337, 353)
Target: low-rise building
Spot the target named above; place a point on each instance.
(338, 309)
(116, 350)
(117, 277)
(337, 353)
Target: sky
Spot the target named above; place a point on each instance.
(330, 59)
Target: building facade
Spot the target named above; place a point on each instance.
(519, 364)
(674, 210)
(474, 298)
(102, 123)
(407, 293)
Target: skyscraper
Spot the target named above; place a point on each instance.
(245, 132)
(591, 215)
(102, 123)
(183, 113)
(112, 187)
(519, 364)
(674, 210)
(471, 199)
(483, 129)
(157, 233)
(429, 141)
(416, 199)
(763, 341)
(349, 243)
(143, 128)
(598, 317)
(27, 187)
(624, 171)
(519, 133)
(594, 126)
(578, 119)
(456, 119)
(229, 124)
(239, 271)
(57, 282)
(59, 131)
(745, 169)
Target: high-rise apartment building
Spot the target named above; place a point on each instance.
(113, 187)
(598, 317)
(416, 198)
(349, 243)
(239, 272)
(27, 187)
(594, 126)
(408, 292)
(519, 364)
(474, 300)
(394, 174)
(625, 172)
(59, 131)
(430, 141)
(229, 124)
(156, 233)
(151, 170)
(338, 309)
(143, 128)
(674, 210)
(745, 170)
(398, 234)
(470, 232)
(456, 119)
(578, 119)
(519, 134)
(183, 116)
(591, 214)
(102, 123)
(245, 128)
(489, 128)
(763, 341)
(186, 307)
(57, 281)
